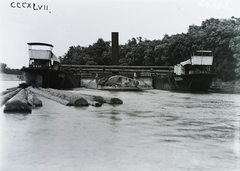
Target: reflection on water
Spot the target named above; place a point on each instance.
(152, 130)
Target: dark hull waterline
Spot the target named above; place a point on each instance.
(46, 78)
(190, 82)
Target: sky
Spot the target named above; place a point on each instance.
(65, 23)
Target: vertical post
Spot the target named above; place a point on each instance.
(115, 48)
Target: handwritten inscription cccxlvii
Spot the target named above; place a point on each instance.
(33, 6)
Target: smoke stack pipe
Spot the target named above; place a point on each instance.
(115, 48)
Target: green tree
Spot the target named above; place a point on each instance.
(3, 67)
(222, 36)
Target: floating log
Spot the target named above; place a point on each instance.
(13, 88)
(50, 96)
(32, 99)
(18, 103)
(8, 96)
(112, 100)
(92, 98)
(101, 99)
(94, 103)
(6, 92)
(37, 101)
(72, 97)
(81, 102)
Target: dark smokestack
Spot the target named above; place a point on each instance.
(115, 48)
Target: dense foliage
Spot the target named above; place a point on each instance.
(222, 36)
(6, 70)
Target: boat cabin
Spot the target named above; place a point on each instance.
(41, 56)
(200, 62)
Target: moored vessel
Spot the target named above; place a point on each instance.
(118, 83)
(44, 69)
(194, 74)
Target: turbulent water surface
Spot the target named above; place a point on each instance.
(151, 130)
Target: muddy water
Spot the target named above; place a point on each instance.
(152, 130)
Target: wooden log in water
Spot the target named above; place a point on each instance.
(92, 97)
(6, 92)
(76, 95)
(32, 99)
(18, 103)
(50, 96)
(8, 96)
(72, 97)
(36, 101)
(102, 99)
(94, 103)
(80, 102)
(13, 88)
(112, 100)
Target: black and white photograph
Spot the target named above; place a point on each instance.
(120, 85)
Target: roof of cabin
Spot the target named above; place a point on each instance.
(38, 43)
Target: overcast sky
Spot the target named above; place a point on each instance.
(66, 23)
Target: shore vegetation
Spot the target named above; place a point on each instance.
(222, 36)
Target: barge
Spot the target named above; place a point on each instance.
(194, 74)
(44, 69)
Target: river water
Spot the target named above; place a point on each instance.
(152, 130)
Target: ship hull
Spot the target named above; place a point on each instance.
(190, 82)
(46, 78)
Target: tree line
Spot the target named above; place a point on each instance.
(222, 36)
(7, 70)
